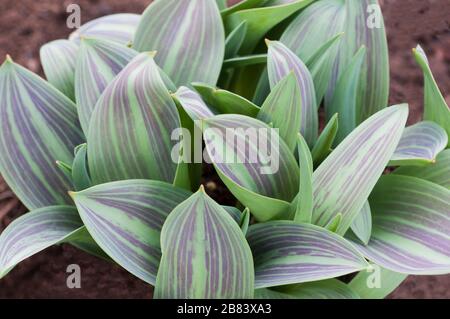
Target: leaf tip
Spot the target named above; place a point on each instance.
(152, 54)
(267, 41)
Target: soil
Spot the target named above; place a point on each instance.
(26, 25)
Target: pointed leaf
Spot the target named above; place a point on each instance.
(204, 254)
(235, 39)
(323, 146)
(58, 61)
(245, 221)
(326, 289)
(305, 199)
(436, 108)
(411, 219)
(343, 182)
(125, 219)
(192, 104)
(192, 49)
(39, 126)
(438, 173)
(118, 27)
(225, 102)
(362, 225)
(34, 232)
(281, 61)
(283, 108)
(290, 253)
(80, 173)
(243, 61)
(420, 144)
(98, 63)
(135, 140)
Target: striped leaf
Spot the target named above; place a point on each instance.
(438, 173)
(344, 100)
(58, 61)
(289, 253)
(326, 289)
(261, 20)
(343, 182)
(235, 39)
(283, 109)
(225, 102)
(436, 108)
(376, 282)
(125, 219)
(362, 224)
(281, 61)
(119, 27)
(420, 145)
(98, 63)
(222, 4)
(34, 232)
(411, 219)
(204, 254)
(131, 127)
(38, 126)
(193, 48)
(239, 148)
(305, 195)
(192, 104)
(324, 144)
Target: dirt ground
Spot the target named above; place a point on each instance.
(26, 24)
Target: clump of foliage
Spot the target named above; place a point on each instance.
(89, 151)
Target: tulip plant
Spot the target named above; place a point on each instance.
(91, 151)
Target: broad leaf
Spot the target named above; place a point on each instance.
(235, 39)
(324, 144)
(289, 253)
(281, 61)
(411, 219)
(343, 182)
(125, 219)
(38, 126)
(283, 109)
(305, 195)
(225, 102)
(34, 232)
(436, 108)
(420, 145)
(135, 140)
(192, 49)
(98, 63)
(438, 173)
(326, 289)
(204, 254)
(58, 61)
(118, 27)
(362, 224)
(253, 162)
(192, 104)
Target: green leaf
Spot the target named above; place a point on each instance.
(325, 289)
(411, 219)
(191, 49)
(58, 61)
(80, 172)
(343, 182)
(243, 61)
(420, 145)
(334, 224)
(222, 4)
(125, 219)
(135, 141)
(245, 221)
(436, 109)
(344, 100)
(98, 63)
(283, 109)
(305, 197)
(192, 104)
(243, 163)
(323, 146)
(376, 282)
(38, 126)
(34, 232)
(202, 247)
(362, 225)
(288, 253)
(438, 173)
(225, 102)
(81, 239)
(234, 40)
(261, 20)
(242, 5)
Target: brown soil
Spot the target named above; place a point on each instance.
(25, 25)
